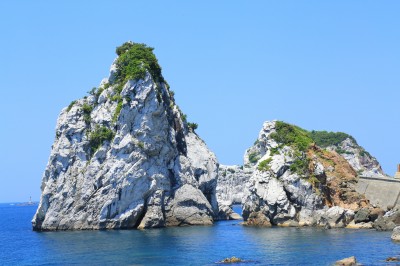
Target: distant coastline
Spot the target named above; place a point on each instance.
(21, 204)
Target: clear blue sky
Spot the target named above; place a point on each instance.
(324, 65)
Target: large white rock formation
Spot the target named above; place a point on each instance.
(127, 159)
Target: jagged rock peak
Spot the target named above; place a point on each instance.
(125, 157)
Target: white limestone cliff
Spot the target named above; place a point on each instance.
(231, 182)
(149, 171)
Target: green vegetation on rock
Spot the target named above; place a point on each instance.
(253, 157)
(274, 151)
(232, 171)
(116, 97)
(98, 136)
(192, 126)
(325, 139)
(183, 116)
(299, 140)
(93, 91)
(70, 106)
(117, 110)
(300, 166)
(134, 59)
(140, 145)
(101, 89)
(264, 165)
(87, 110)
(291, 135)
(365, 153)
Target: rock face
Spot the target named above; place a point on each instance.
(230, 187)
(231, 181)
(361, 161)
(297, 183)
(124, 157)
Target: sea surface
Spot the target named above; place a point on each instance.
(206, 245)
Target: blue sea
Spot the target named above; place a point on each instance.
(19, 245)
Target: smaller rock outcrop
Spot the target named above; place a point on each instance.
(362, 216)
(352, 261)
(231, 260)
(257, 219)
(297, 183)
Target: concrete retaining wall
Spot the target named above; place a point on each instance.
(382, 192)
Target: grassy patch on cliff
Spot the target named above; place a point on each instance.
(253, 157)
(264, 165)
(292, 136)
(134, 59)
(87, 110)
(98, 136)
(299, 140)
(117, 111)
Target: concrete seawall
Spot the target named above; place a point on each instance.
(382, 192)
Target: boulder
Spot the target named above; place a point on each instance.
(396, 234)
(352, 261)
(235, 216)
(388, 222)
(231, 260)
(257, 219)
(375, 213)
(353, 225)
(188, 207)
(362, 216)
(336, 217)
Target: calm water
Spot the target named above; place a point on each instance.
(186, 246)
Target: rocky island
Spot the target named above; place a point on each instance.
(125, 157)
